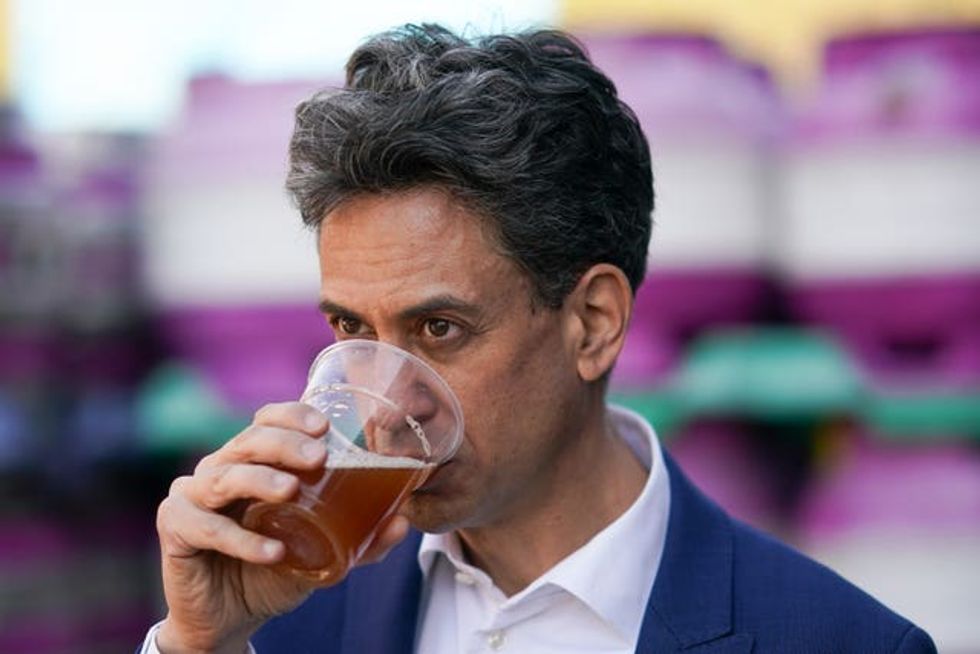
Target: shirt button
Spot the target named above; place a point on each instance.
(495, 640)
(465, 579)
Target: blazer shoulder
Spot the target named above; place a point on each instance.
(916, 641)
(777, 585)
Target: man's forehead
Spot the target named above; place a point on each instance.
(471, 292)
(408, 249)
(399, 227)
(427, 211)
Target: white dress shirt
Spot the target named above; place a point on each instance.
(592, 601)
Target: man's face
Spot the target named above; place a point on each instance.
(416, 270)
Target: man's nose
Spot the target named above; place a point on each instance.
(415, 396)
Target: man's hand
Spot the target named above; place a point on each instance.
(216, 576)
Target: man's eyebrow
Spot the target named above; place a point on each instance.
(438, 304)
(332, 308)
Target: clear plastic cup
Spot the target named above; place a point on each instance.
(393, 420)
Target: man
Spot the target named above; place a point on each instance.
(487, 206)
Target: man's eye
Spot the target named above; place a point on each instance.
(349, 326)
(438, 327)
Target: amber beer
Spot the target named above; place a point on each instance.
(393, 419)
(327, 528)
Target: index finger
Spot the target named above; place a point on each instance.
(292, 415)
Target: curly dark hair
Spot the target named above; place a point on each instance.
(522, 129)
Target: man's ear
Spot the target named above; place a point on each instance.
(600, 307)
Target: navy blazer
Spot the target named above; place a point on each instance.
(722, 588)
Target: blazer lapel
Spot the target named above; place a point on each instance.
(383, 603)
(690, 606)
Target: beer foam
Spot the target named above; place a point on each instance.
(357, 458)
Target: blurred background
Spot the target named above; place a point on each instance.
(807, 342)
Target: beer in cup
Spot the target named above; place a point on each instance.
(393, 420)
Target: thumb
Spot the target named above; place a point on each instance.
(392, 531)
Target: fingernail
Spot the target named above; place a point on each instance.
(312, 451)
(315, 421)
(272, 549)
(282, 480)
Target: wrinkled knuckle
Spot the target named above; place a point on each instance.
(264, 414)
(221, 483)
(179, 485)
(210, 530)
(205, 463)
(162, 511)
(164, 517)
(242, 446)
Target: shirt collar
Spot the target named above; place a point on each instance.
(613, 572)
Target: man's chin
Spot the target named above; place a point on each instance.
(430, 513)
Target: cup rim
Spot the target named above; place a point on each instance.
(349, 343)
